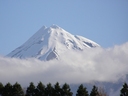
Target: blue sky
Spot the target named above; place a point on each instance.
(105, 22)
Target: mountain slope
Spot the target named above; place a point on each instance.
(49, 43)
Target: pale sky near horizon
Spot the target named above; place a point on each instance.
(103, 21)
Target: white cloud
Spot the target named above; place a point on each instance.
(97, 64)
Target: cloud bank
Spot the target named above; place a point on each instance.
(96, 64)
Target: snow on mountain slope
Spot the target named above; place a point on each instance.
(49, 43)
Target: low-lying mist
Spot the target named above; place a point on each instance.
(73, 67)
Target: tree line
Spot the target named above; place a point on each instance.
(53, 90)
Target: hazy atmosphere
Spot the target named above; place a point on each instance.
(104, 22)
(98, 64)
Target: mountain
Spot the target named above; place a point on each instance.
(49, 43)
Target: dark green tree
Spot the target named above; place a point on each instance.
(1, 88)
(17, 90)
(82, 91)
(40, 89)
(66, 91)
(94, 91)
(124, 90)
(31, 90)
(7, 90)
(57, 89)
(49, 90)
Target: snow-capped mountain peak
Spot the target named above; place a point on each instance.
(49, 42)
(55, 26)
